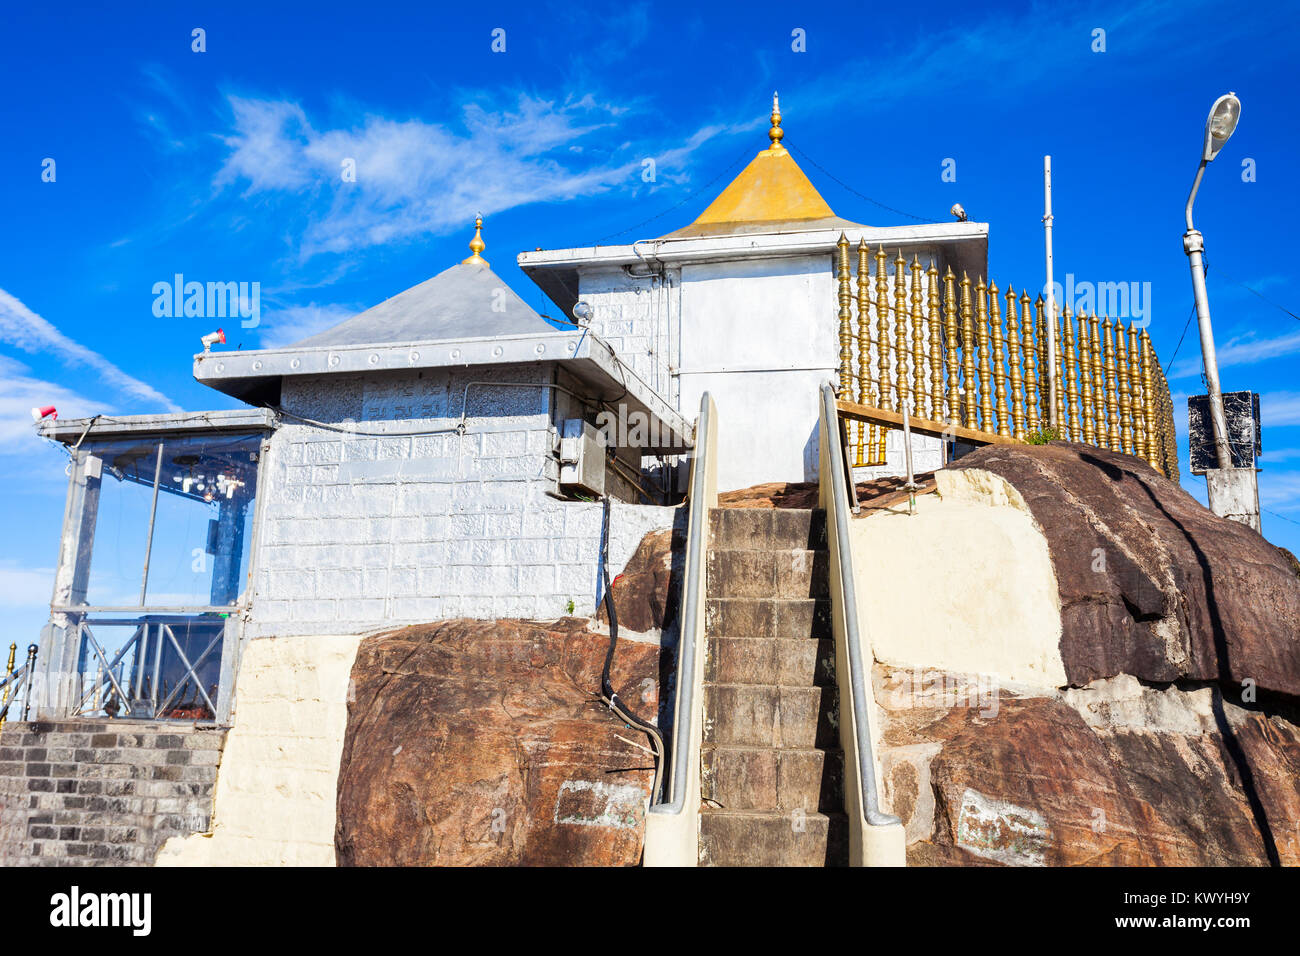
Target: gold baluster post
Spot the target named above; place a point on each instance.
(1112, 409)
(1013, 360)
(867, 435)
(1121, 363)
(918, 342)
(884, 345)
(968, 350)
(846, 316)
(1148, 404)
(1098, 381)
(952, 412)
(9, 672)
(1071, 421)
(1134, 389)
(1031, 363)
(901, 326)
(1086, 394)
(936, 342)
(985, 367)
(999, 360)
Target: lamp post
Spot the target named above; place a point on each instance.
(1233, 492)
(1218, 127)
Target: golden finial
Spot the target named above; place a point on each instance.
(775, 134)
(476, 246)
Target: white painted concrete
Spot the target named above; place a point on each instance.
(277, 784)
(965, 585)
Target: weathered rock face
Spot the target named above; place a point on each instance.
(645, 594)
(1152, 583)
(1114, 774)
(486, 743)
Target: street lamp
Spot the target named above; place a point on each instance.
(1218, 127)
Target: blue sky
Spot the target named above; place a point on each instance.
(224, 165)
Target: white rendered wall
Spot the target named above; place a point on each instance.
(760, 336)
(361, 532)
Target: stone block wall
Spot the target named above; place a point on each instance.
(638, 317)
(90, 792)
(361, 531)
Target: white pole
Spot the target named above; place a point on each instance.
(1050, 316)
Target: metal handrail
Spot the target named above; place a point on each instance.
(697, 522)
(836, 503)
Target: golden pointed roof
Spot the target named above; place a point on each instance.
(771, 194)
(476, 246)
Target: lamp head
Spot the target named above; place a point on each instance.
(1220, 124)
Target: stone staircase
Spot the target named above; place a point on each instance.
(772, 775)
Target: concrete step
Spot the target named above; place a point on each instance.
(767, 529)
(765, 715)
(767, 660)
(785, 575)
(773, 838)
(765, 778)
(793, 619)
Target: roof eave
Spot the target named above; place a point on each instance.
(248, 374)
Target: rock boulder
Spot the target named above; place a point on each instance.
(486, 743)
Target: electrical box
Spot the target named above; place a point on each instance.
(582, 458)
(1241, 414)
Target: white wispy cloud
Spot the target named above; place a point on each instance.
(285, 326)
(24, 329)
(1248, 349)
(1279, 490)
(1277, 409)
(25, 587)
(20, 392)
(415, 177)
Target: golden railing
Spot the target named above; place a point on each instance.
(951, 352)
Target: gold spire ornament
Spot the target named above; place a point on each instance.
(776, 134)
(476, 246)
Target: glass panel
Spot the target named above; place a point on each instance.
(202, 528)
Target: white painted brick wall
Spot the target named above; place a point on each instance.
(361, 532)
(638, 318)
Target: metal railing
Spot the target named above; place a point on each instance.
(150, 675)
(947, 350)
(672, 826)
(15, 683)
(876, 837)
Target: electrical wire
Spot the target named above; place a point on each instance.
(843, 185)
(675, 206)
(607, 693)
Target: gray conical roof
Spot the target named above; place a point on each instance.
(465, 301)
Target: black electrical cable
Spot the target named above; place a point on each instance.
(606, 688)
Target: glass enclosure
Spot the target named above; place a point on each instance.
(162, 561)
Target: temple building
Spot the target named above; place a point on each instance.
(415, 527)
(438, 455)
